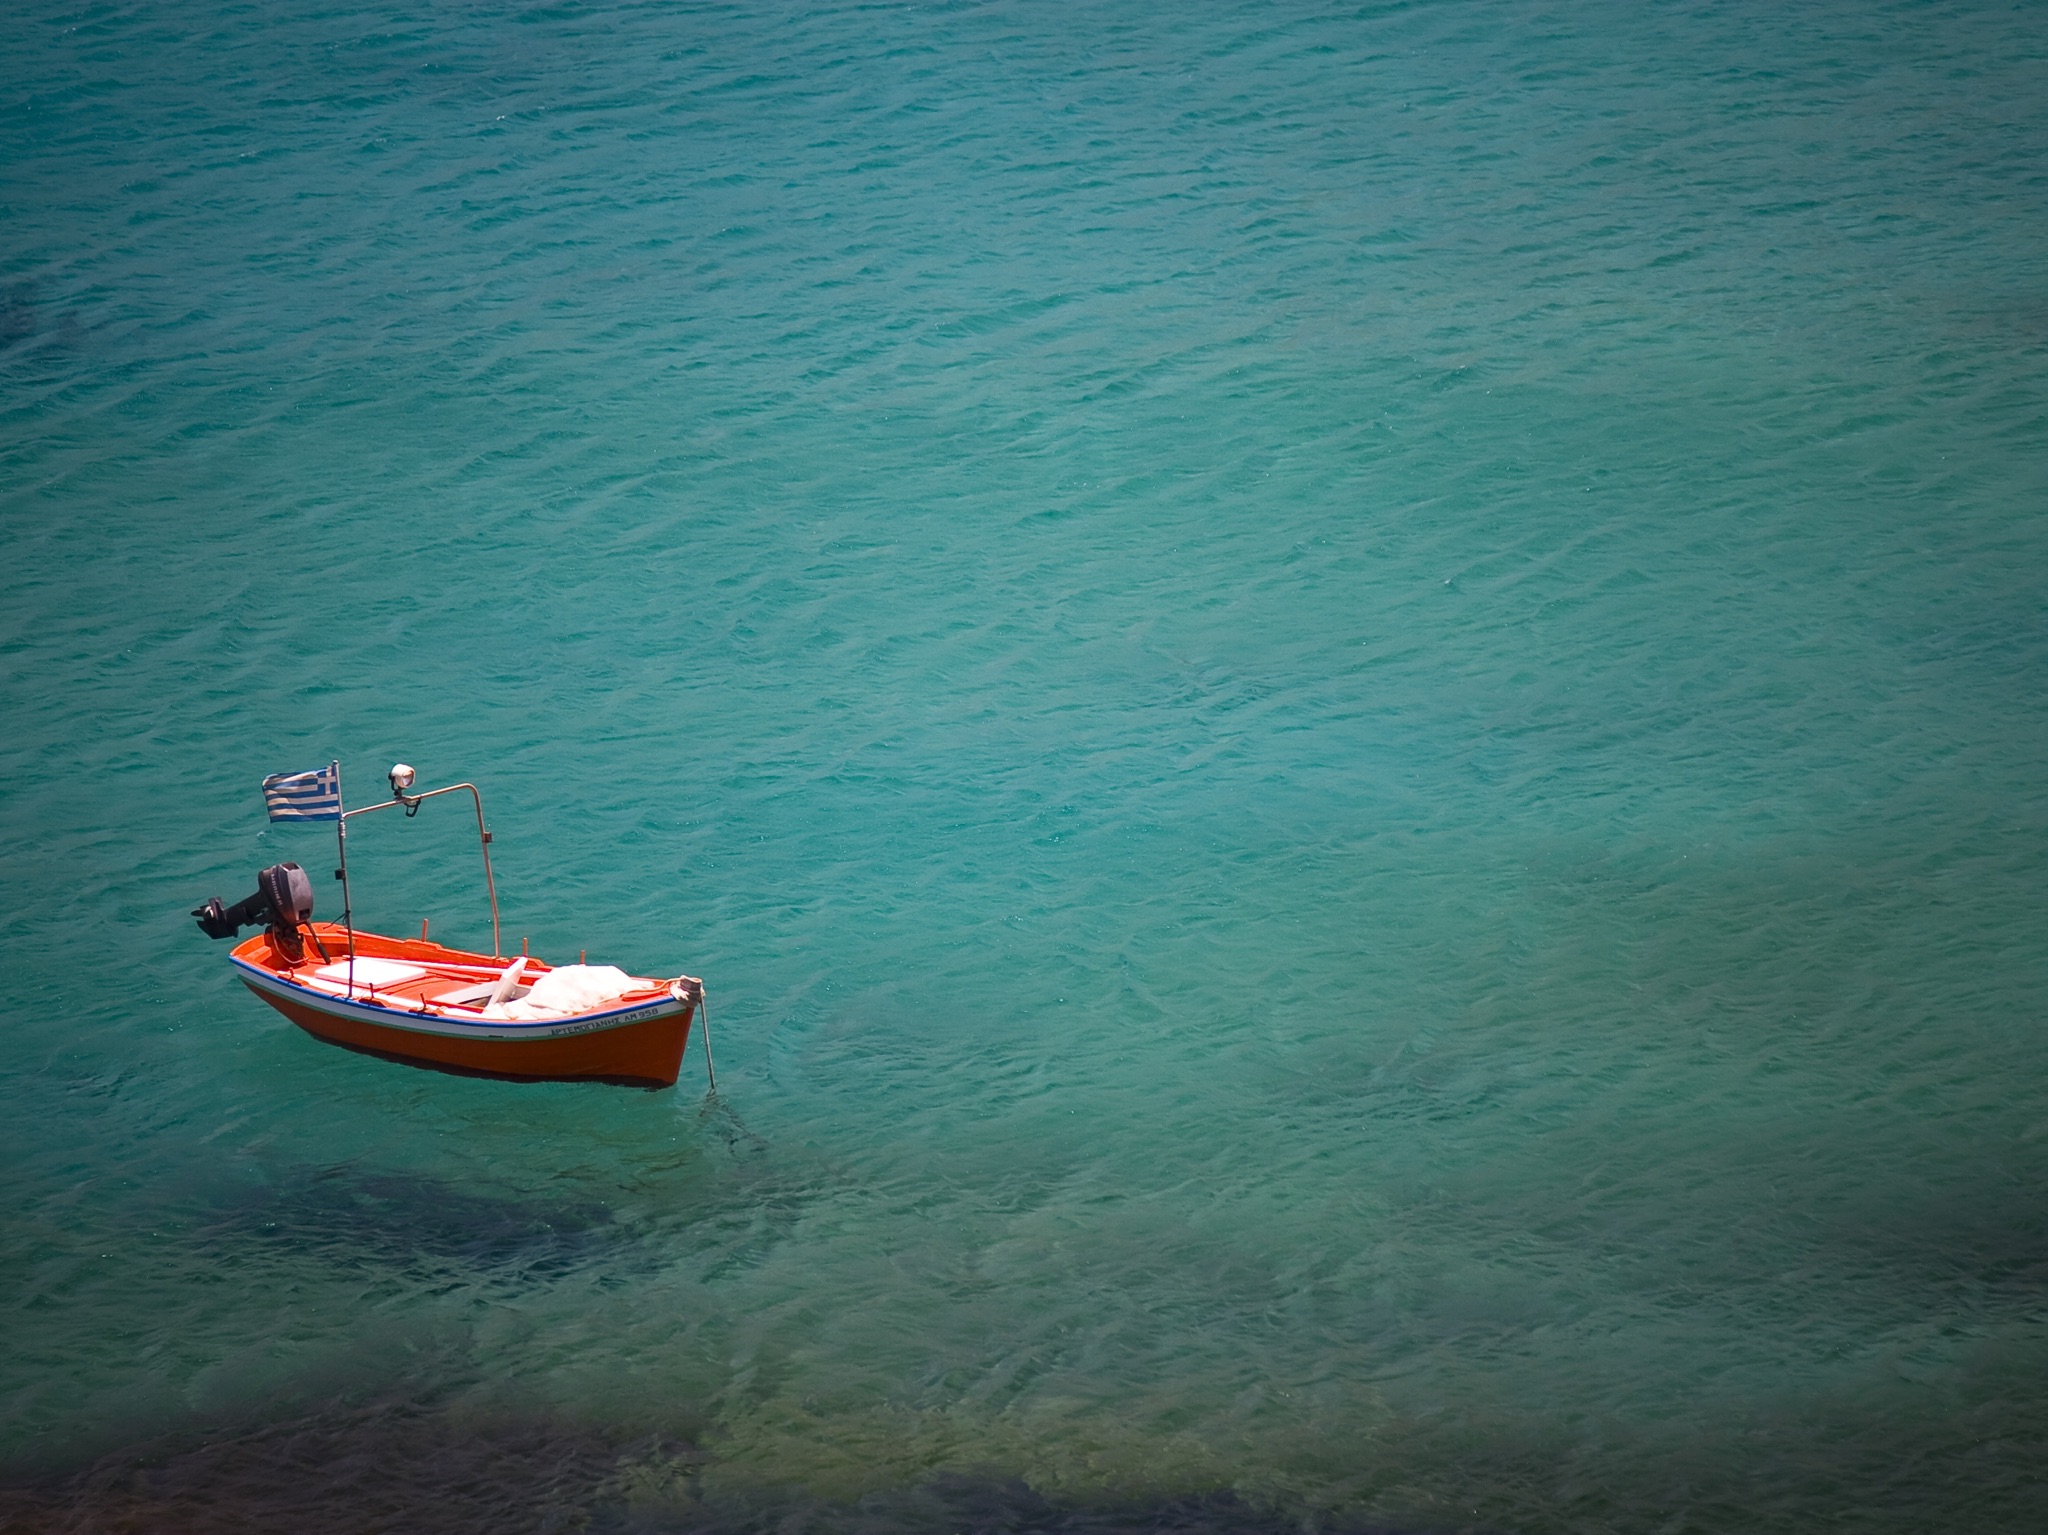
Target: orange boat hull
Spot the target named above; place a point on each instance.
(651, 1054)
(638, 1041)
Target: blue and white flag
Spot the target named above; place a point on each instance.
(313, 796)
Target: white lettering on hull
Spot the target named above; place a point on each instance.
(604, 1023)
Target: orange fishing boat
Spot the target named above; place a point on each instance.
(423, 1004)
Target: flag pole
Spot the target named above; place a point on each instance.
(347, 913)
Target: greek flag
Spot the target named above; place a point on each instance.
(314, 796)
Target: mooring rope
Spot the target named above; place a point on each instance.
(704, 1014)
(675, 989)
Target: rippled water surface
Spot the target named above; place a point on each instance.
(1346, 706)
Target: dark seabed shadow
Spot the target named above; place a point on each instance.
(407, 1221)
(377, 1466)
(415, 1466)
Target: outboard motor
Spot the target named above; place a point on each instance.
(283, 901)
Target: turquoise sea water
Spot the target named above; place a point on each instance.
(1346, 706)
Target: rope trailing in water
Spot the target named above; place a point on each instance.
(704, 1014)
(694, 994)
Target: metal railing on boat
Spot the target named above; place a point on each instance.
(402, 780)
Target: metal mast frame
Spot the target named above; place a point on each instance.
(411, 804)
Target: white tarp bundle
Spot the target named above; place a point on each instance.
(568, 989)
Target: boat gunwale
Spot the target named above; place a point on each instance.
(453, 1024)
